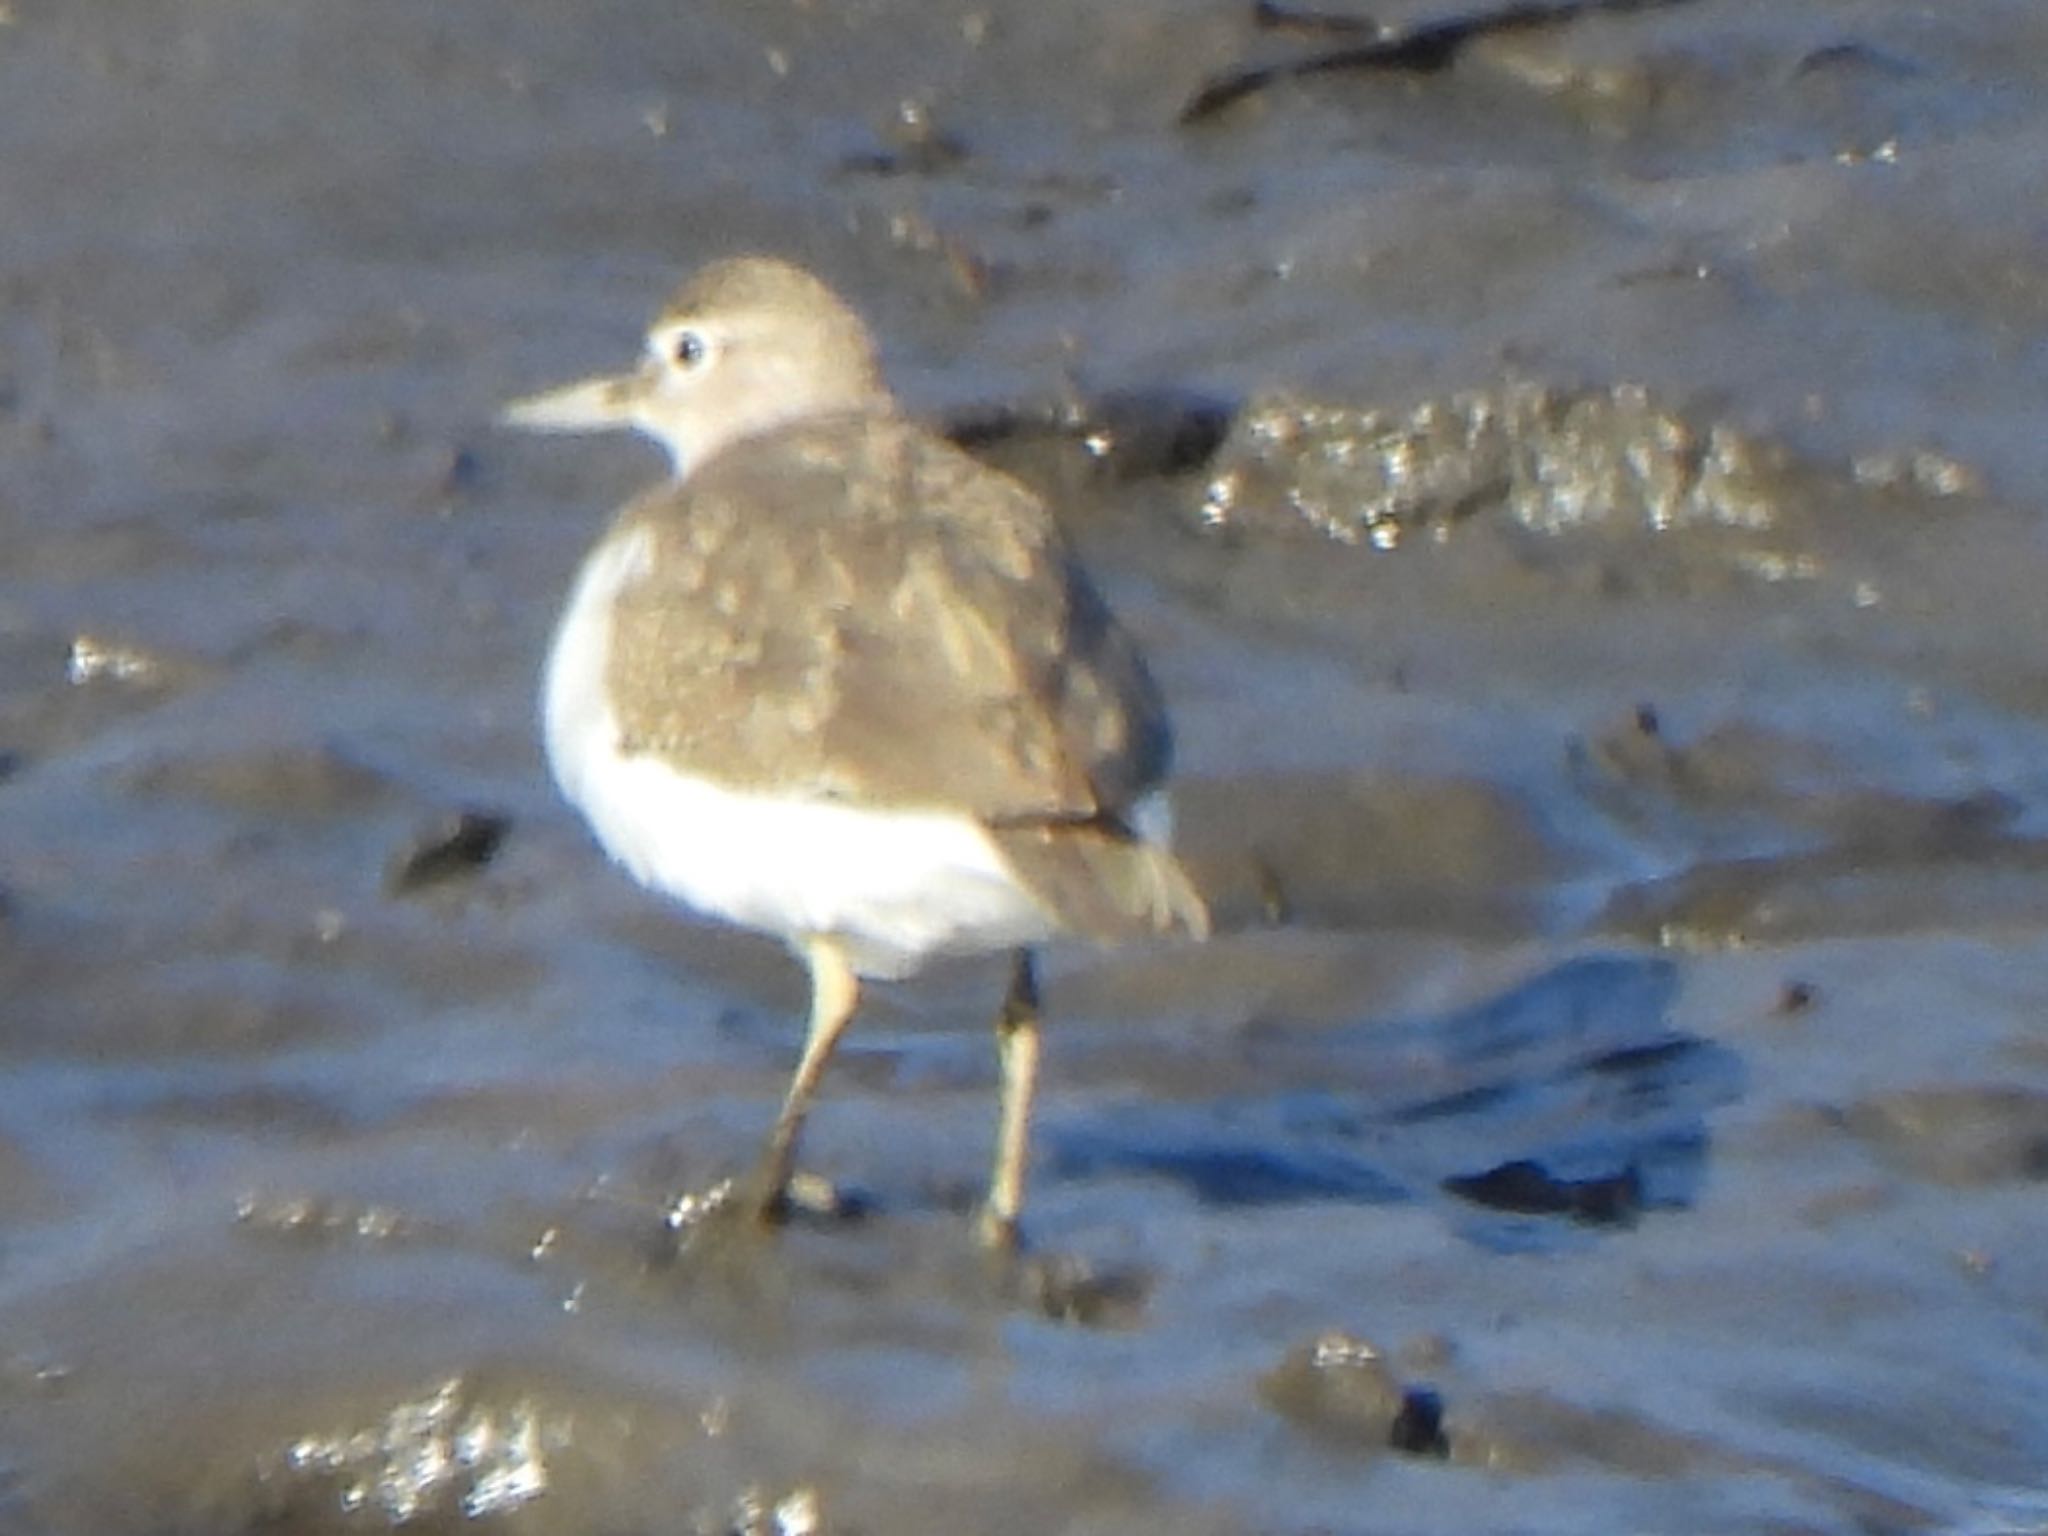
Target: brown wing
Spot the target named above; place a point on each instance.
(856, 609)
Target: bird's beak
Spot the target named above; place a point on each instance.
(592, 405)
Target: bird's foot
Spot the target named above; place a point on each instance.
(1066, 1288)
(806, 1195)
(997, 1232)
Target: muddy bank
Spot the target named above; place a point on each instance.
(1576, 480)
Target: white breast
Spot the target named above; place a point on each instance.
(897, 887)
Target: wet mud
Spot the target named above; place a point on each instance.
(1576, 472)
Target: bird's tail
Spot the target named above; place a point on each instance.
(1103, 882)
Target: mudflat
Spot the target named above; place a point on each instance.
(1575, 477)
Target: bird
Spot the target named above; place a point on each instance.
(836, 681)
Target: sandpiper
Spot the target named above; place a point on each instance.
(837, 681)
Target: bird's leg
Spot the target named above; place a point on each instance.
(1017, 1052)
(835, 993)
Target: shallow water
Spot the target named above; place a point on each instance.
(1580, 501)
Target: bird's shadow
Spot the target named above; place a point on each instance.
(1567, 1105)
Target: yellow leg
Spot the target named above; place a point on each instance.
(835, 993)
(1017, 1053)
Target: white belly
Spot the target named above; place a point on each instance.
(897, 887)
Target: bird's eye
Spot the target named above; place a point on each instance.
(689, 350)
